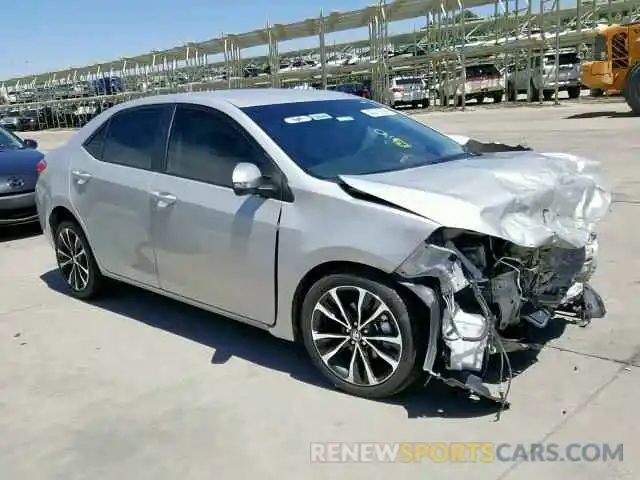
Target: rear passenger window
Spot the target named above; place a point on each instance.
(133, 138)
(96, 142)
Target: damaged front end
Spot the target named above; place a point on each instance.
(480, 288)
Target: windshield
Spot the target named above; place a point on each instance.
(9, 141)
(352, 137)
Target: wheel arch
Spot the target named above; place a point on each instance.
(59, 214)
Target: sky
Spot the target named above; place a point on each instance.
(54, 35)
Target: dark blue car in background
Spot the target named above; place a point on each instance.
(20, 164)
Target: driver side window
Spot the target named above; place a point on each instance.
(205, 146)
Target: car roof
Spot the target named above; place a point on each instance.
(241, 98)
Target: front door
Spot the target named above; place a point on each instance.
(212, 246)
(110, 190)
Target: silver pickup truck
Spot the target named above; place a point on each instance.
(540, 75)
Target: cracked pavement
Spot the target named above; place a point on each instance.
(138, 386)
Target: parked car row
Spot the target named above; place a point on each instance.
(69, 115)
(108, 85)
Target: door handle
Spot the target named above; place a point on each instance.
(81, 176)
(164, 199)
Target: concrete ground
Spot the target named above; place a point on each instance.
(140, 387)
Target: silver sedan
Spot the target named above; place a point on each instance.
(391, 250)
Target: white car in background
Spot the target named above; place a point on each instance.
(481, 81)
(410, 91)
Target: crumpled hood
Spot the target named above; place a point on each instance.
(528, 198)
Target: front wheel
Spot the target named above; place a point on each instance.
(574, 92)
(76, 262)
(360, 334)
(632, 89)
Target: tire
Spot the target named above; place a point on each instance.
(574, 92)
(632, 89)
(425, 103)
(497, 98)
(533, 94)
(479, 99)
(83, 277)
(548, 95)
(387, 377)
(596, 92)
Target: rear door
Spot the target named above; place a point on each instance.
(110, 189)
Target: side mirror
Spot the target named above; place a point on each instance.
(246, 179)
(29, 143)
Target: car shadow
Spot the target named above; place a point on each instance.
(228, 338)
(19, 232)
(608, 114)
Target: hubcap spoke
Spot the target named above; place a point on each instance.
(328, 336)
(397, 340)
(382, 308)
(332, 353)
(382, 355)
(352, 364)
(361, 296)
(371, 378)
(338, 302)
(321, 308)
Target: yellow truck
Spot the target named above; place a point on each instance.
(616, 63)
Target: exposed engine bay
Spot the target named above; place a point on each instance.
(490, 286)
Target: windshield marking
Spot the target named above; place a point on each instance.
(298, 119)
(320, 116)
(378, 112)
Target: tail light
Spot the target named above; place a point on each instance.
(41, 166)
(397, 89)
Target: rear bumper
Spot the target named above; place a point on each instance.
(398, 98)
(18, 209)
(563, 84)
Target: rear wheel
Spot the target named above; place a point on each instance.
(360, 334)
(497, 98)
(632, 89)
(425, 103)
(574, 92)
(548, 95)
(533, 95)
(76, 261)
